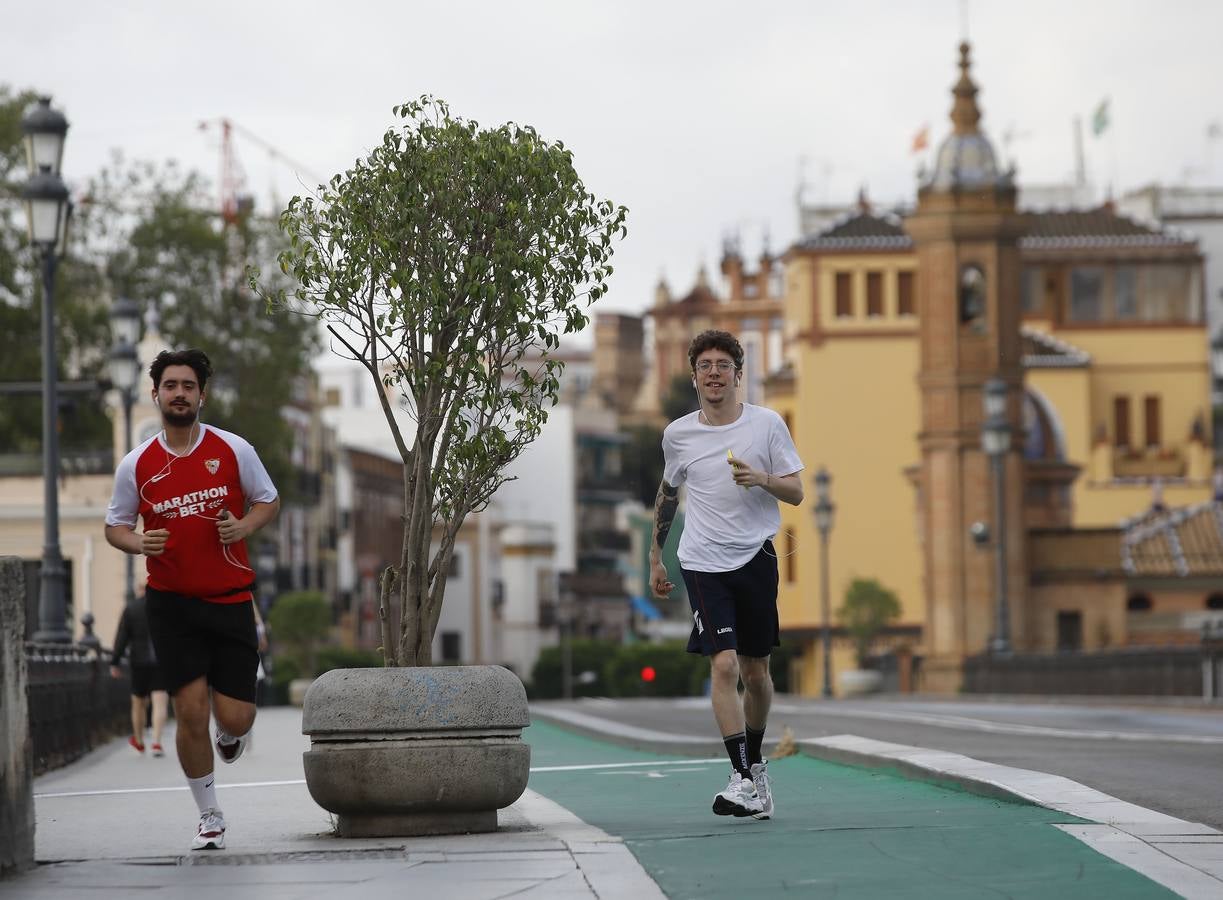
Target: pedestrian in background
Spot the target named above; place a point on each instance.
(132, 638)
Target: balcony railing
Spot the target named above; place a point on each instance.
(72, 462)
(1150, 463)
(605, 540)
(1162, 671)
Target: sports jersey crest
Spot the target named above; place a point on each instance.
(212, 465)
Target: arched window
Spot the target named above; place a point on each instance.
(1138, 603)
(1214, 601)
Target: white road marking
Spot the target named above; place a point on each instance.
(625, 765)
(652, 774)
(159, 790)
(653, 764)
(1152, 861)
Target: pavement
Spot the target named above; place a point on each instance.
(612, 812)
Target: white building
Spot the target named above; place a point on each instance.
(499, 605)
(1199, 213)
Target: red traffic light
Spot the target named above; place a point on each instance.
(648, 673)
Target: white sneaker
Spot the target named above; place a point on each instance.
(738, 799)
(229, 748)
(764, 790)
(211, 835)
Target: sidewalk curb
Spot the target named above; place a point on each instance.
(607, 865)
(835, 750)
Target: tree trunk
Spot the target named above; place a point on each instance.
(386, 589)
(424, 647)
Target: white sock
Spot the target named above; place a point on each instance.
(204, 791)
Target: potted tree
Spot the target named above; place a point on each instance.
(447, 262)
(867, 609)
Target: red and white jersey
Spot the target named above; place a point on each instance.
(185, 495)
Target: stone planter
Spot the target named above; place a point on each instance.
(856, 682)
(414, 751)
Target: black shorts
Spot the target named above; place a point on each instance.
(146, 679)
(735, 610)
(195, 637)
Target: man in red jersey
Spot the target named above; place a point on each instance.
(200, 492)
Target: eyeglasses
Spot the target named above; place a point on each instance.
(722, 365)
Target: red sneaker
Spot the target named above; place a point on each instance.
(157, 751)
(136, 745)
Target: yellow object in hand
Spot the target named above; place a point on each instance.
(730, 456)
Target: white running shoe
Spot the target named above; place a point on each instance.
(764, 790)
(229, 748)
(738, 799)
(211, 835)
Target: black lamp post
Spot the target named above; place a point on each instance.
(1216, 367)
(996, 442)
(1216, 390)
(124, 375)
(47, 212)
(824, 510)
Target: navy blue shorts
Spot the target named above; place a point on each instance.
(735, 610)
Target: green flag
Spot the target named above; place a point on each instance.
(1099, 118)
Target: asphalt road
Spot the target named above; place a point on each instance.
(1164, 758)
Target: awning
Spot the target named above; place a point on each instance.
(644, 607)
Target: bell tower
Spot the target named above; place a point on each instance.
(965, 232)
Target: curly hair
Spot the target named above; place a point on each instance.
(715, 340)
(196, 359)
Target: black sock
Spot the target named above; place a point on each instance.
(755, 740)
(736, 749)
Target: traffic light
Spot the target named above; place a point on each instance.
(648, 674)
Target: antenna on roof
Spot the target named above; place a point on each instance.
(1080, 165)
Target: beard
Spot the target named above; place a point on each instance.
(183, 419)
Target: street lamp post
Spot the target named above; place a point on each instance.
(47, 212)
(824, 510)
(124, 375)
(996, 442)
(1216, 366)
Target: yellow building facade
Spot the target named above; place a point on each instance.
(853, 408)
(1115, 405)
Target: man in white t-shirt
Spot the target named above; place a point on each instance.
(737, 460)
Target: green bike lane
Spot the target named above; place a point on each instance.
(838, 831)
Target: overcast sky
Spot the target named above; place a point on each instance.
(692, 114)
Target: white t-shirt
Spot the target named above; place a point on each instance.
(725, 524)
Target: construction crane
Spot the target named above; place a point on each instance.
(236, 201)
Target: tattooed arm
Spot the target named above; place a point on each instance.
(666, 503)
